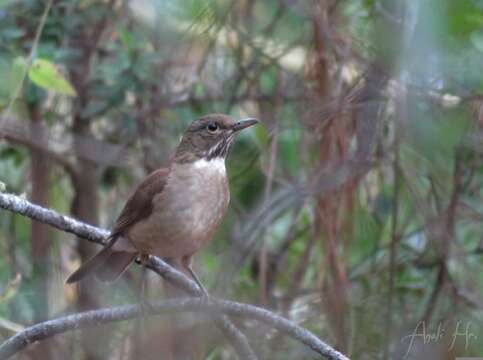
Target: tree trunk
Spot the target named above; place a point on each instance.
(85, 208)
(40, 241)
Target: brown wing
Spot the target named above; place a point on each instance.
(139, 205)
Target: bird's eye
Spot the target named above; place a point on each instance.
(212, 127)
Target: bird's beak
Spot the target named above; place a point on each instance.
(242, 124)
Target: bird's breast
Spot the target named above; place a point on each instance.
(187, 212)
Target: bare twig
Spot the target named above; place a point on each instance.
(10, 325)
(449, 234)
(41, 331)
(57, 145)
(24, 207)
(395, 238)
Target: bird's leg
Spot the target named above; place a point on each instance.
(144, 306)
(186, 261)
(143, 258)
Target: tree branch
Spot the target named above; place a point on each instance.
(24, 207)
(91, 318)
(46, 329)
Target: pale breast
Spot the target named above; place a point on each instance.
(187, 212)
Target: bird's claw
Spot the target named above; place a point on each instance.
(204, 295)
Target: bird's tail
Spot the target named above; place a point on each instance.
(107, 265)
(115, 265)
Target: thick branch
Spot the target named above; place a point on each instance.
(37, 332)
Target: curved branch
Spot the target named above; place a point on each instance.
(60, 325)
(21, 206)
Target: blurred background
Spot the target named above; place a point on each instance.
(356, 206)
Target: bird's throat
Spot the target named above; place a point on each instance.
(215, 165)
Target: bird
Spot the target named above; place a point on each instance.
(175, 210)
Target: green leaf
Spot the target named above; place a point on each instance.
(45, 74)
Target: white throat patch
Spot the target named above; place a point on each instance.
(217, 164)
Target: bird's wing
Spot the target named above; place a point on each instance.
(139, 205)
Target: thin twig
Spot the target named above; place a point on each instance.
(449, 234)
(395, 238)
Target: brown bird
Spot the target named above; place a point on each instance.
(175, 211)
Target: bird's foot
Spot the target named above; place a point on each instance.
(144, 304)
(205, 296)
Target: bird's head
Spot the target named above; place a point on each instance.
(210, 137)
